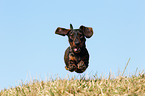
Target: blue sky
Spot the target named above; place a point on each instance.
(30, 49)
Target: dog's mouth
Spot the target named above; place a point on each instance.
(77, 50)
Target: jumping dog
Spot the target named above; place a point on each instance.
(76, 55)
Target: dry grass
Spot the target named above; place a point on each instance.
(121, 85)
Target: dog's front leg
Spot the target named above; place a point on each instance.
(71, 63)
(81, 65)
(72, 66)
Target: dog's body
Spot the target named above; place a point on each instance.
(76, 55)
(76, 62)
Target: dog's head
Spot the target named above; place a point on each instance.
(76, 36)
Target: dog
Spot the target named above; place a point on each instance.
(76, 55)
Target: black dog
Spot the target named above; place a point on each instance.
(76, 55)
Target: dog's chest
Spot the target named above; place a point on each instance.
(75, 57)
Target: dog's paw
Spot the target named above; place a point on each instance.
(66, 68)
(72, 67)
(81, 65)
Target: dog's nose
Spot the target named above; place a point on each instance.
(77, 43)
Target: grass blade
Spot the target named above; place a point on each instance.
(126, 66)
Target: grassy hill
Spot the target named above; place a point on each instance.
(120, 85)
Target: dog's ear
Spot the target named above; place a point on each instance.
(88, 31)
(62, 31)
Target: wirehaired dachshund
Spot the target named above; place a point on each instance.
(76, 55)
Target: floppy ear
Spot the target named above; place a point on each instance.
(88, 31)
(62, 31)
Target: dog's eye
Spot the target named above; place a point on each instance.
(71, 36)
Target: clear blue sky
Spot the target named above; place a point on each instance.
(29, 47)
